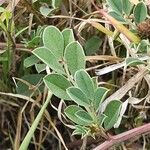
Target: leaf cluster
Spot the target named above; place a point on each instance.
(69, 81)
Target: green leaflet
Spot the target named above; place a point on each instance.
(58, 84)
(54, 41)
(74, 57)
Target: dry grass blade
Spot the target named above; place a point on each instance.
(18, 131)
(109, 68)
(18, 96)
(115, 66)
(119, 94)
(103, 57)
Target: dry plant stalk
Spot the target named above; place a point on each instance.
(124, 136)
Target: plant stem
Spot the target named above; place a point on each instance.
(123, 137)
(68, 74)
(27, 139)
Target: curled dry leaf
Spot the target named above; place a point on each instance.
(122, 111)
(119, 94)
(134, 101)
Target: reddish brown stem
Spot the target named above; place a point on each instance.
(124, 136)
